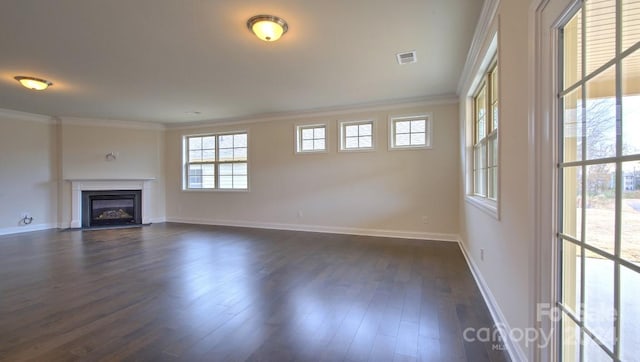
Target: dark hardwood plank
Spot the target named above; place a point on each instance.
(175, 292)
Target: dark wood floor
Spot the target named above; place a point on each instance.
(189, 293)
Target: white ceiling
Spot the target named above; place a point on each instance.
(159, 60)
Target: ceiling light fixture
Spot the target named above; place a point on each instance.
(267, 27)
(33, 83)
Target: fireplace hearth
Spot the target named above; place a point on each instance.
(111, 208)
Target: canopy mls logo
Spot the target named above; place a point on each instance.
(529, 337)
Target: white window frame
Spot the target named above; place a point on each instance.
(298, 138)
(427, 117)
(216, 163)
(343, 137)
(485, 64)
(482, 143)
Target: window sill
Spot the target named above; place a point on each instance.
(215, 190)
(406, 148)
(351, 150)
(487, 206)
(311, 152)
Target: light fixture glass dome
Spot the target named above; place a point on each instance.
(267, 27)
(33, 83)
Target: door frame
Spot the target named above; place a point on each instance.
(545, 18)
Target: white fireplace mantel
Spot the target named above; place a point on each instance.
(79, 185)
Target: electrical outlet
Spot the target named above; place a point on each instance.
(481, 254)
(425, 220)
(25, 218)
(300, 214)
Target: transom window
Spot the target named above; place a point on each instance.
(485, 136)
(216, 161)
(311, 138)
(356, 135)
(411, 132)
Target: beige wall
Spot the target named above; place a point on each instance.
(38, 157)
(140, 154)
(28, 172)
(380, 191)
(506, 267)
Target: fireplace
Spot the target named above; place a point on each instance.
(79, 186)
(111, 208)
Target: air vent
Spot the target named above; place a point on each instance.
(407, 57)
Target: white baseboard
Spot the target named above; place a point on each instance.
(513, 348)
(260, 225)
(26, 228)
(321, 229)
(67, 224)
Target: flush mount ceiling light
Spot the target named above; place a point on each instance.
(33, 83)
(267, 27)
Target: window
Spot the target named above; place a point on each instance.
(598, 243)
(311, 138)
(410, 132)
(216, 161)
(356, 136)
(485, 136)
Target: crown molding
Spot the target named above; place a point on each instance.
(24, 116)
(93, 122)
(323, 112)
(388, 105)
(487, 15)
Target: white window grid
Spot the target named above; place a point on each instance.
(357, 135)
(311, 138)
(410, 132)
(583, 174)
(216, 161)
(485, 136)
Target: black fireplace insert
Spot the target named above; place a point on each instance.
(111, 208)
